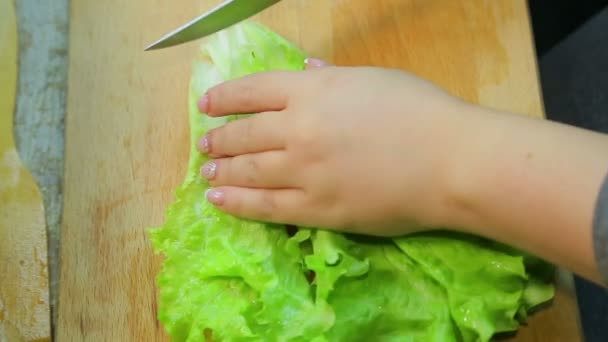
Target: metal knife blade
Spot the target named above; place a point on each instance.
(222, 16)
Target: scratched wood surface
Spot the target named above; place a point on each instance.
(127, 132)
(24, 295)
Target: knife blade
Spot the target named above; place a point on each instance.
(222, 16)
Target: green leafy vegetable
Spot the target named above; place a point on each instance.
(231, 279)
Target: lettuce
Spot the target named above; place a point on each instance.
(230, 279)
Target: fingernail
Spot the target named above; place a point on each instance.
(208, 170)
(314, 62)
(204, 145)
(215, 196)
(203, 104)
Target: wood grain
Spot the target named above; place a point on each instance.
(24, 295)
(127, 131)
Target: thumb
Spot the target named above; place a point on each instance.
(314, 63)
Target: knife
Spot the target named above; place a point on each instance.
(225, 14)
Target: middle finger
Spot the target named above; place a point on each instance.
(257, 133)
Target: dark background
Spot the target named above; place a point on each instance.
(572, 46)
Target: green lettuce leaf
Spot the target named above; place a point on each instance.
(229, 279)
(485, 287)
(240, 279)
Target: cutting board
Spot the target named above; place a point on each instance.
(24, 294)
(127, 130)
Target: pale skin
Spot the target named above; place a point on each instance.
(382, 152)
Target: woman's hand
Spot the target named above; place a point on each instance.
(381, 152)
(363, 149)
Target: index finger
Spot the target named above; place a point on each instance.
(261, 92)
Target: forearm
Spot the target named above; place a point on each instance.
(532, 184)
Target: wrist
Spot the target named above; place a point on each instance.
(479, 132)
(526, 182)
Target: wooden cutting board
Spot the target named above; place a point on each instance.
(127, 130)
(24, 294)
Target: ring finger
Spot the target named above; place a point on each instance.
(255, 170)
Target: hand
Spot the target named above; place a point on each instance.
(363, 149)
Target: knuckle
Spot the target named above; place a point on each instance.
(308, 140)
(246, 94)
(234, 205)
(252, 173)
(240, 171)
(268, 205)
(247, 131)
(304, 134)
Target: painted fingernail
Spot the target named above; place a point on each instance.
(314, 62)
(215, 196)
(203, 104)
(208, 170)
(204, 145)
